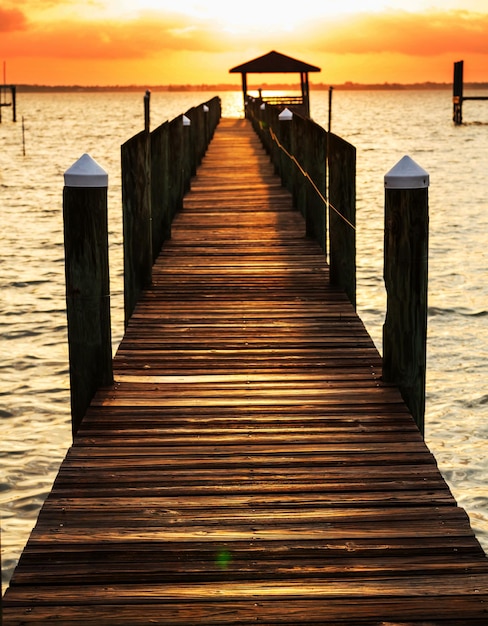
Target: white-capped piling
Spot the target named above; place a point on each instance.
(406, 275)
(87, 283)
(189, 169)
(285, 119)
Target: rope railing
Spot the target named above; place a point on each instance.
(319, 169)
(304, 173)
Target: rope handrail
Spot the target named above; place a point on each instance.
(307, 175)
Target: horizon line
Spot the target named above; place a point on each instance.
(347, 85)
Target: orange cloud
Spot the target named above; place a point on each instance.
(423, 34)
(140, 38)
(12, 20)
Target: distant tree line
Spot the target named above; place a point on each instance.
(347, 86)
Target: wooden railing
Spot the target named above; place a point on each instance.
(283, 100)
(157, 168)
(319, 168)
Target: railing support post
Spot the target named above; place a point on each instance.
(342, 215)
(285, 119)
(137, 226)
(87, 283)
(405, 274)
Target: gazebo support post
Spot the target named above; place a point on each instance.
(244, 89)
(305, 92)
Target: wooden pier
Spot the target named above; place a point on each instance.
(248, 465)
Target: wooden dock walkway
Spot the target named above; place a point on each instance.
(248, 465)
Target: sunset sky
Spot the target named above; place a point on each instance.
(158, 42)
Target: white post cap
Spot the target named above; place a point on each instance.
(205, 108)
(263, 106)
(406, 174)
(285, 116)
(186, 120)
(86, 172)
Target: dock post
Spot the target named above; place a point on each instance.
(136, 212)
(301, 151)
(316, 166)
(187, 164)
(160, 202)
(14, 103)
(457, 92)
(87, 283)
(285, 119)
(329, 127)
(206, 126)
(341, 157)
(405, 275)
(147, 111)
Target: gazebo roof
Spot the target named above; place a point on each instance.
(274, 62)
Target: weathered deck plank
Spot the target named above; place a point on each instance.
(248, 465)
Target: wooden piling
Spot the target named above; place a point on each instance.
(316, 166)
(14, 103)
(23, 137)
(300, 150)
(87, 283)
(342, 215)
(457, 93)
(197, 144)
(136, 209)
(160, 199)
(405, 275)
(175, 173)
(188, 165)
(206, 126)
(329, 127)
(147, 111)
(285, 119)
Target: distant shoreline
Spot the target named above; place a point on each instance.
(348, 86)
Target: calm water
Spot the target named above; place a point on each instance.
(35, 429)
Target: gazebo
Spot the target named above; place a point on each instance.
(275, 62)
